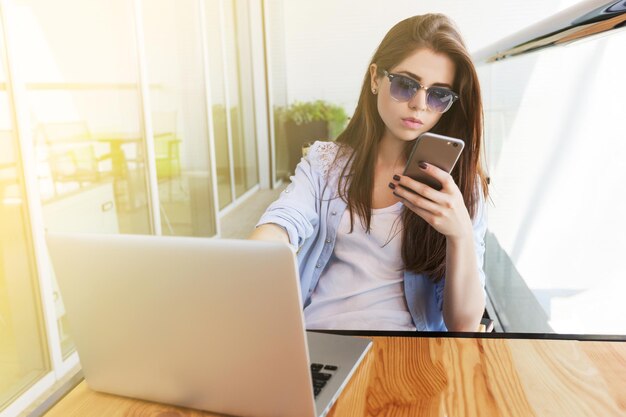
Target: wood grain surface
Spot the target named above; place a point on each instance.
(411, 376)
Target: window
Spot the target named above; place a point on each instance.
(23, 351)
(178, 108)
(135, 117)
(240, 96)
(555, 147)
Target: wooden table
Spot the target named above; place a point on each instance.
(411, 376)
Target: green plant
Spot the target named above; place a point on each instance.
(311, 111)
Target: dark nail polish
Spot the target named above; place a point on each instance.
(423, 165)
(392, 185)
(396, 177)
(396, 194)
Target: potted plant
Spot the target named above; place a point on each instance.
(306, 122)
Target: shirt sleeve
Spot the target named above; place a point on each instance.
(296, 210)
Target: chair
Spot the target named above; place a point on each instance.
(166, 147)
(71, 154)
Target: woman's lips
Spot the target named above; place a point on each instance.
(412, 123)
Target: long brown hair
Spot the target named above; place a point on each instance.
(423, 248)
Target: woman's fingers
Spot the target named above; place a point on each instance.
(437, 173)
(444, 210)
(424, 214)
(419, 188)
(440, 175)
(417, 201)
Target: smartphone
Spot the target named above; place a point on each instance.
(441, 151)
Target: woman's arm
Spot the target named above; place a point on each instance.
(445, 211)
(463, 296)
(293, 217)
(270, 231)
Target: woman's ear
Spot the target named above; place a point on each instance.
(374, 78)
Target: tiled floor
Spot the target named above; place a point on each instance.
(239, 223)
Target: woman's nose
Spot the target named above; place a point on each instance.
(418, 102)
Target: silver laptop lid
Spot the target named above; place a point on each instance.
(203, 323)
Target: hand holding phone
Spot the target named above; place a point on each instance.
(438, 150)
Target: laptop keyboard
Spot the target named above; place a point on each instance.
(321, 374)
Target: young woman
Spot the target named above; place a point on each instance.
(371, 254)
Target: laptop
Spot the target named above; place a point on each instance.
(210, 324)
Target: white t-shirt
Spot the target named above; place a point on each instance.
(362, 288)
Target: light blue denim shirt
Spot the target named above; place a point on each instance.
(309, 209)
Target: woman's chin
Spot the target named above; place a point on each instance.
(408, 136)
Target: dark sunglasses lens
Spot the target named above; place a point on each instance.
(402, 89)
(439, 99)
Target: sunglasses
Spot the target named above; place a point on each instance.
(438, 99)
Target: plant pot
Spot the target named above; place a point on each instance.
(300, 135)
